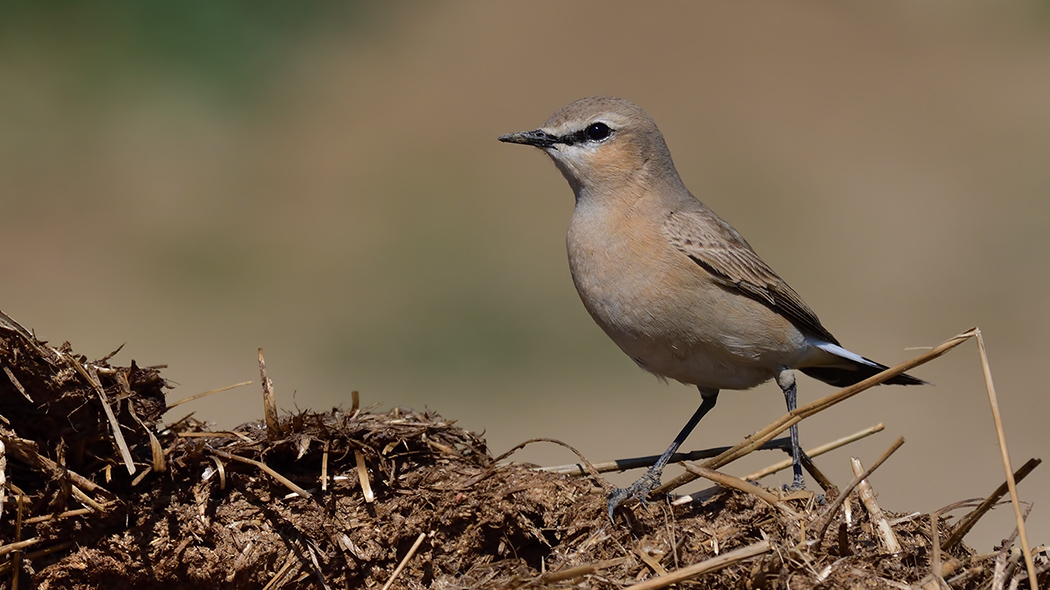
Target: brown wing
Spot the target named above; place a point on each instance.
(722, 251)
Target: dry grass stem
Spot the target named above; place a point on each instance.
(781, 444)
(966, 523)
(401, 566)
(216, 434)
(1000, 432)
(141, 476)
(936, 570)
(16, 557)
(822, 480)
(713, 564)
(18, 385)
(363, 478)
(85, 499)
(754, 441)
(220, 467)
(18, 545)
(158, 463)
(318, 571)
(207, 393)
(7, 565)
(829, 512)
(91, 377)
(279, 575)
(284, 480)
(733, 482)
(273, 424)
(67, 513)
(324, 467)
(587, 465)
(867, 497)
(817, 451)
(3, 477)
(25, 451)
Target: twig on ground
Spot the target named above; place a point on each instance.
(324, 466)
(217, 434)
(18, 545)
(91, 376)
(220, 467)
(278, 576)
(284, 480)
(587, 464)
(85, 499)
(710, 565)
(317, 564)
(935, 555)
(818, 475)
(362, 476)
(401, 566)
(159, 464)
(273, 423)
(735, 483)
(7, 565)
(867, 497)
(966, 523)
(829, 512)
(14, 381)
(26, 451)
(66, 514)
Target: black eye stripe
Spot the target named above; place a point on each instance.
(593, 133)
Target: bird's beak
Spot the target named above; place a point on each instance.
(537, 138)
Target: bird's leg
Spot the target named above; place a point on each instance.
(646, 483)
(786, 381)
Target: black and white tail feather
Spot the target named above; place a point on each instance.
(855, 370)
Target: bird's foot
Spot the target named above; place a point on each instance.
(797, 485)
(639, 489)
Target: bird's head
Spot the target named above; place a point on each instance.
(602, 144)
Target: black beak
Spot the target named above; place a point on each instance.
(537, 138)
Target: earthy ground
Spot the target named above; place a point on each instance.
(400, 499)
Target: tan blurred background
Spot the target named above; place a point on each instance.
(323, 181)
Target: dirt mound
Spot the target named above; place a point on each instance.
(101, 495)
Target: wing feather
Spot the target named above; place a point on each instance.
(722, 251)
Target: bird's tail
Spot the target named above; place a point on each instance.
(854, 370)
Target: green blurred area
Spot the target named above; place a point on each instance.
(227, 50)
(322, 179)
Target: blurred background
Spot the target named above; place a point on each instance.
(322, 179)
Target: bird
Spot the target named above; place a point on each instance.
(676, 287)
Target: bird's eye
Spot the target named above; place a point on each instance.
(597, 131)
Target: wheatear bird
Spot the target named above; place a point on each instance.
(675, 286)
